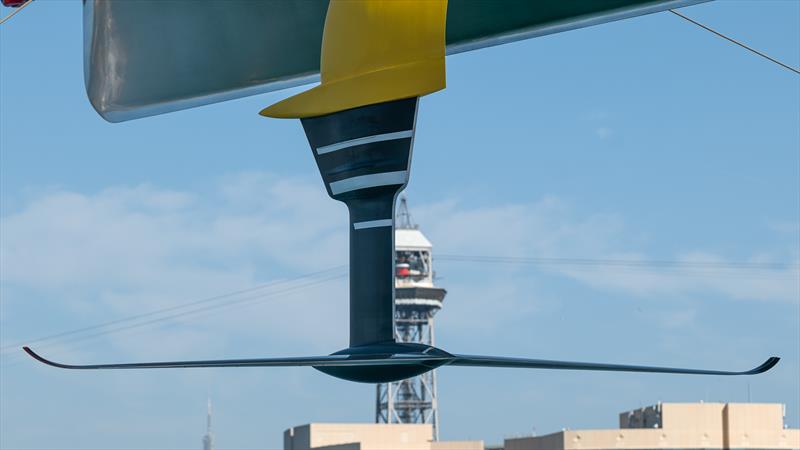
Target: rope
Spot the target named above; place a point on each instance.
(14, 13)
(735, 42)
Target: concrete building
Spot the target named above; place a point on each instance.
(369, 436)
(676, 426)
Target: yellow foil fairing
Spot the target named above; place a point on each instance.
(374, 51)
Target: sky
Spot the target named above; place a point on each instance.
(645, 139)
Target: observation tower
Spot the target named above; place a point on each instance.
(417, 300)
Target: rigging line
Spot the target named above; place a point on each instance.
(14, 13)
(228, 304)
(620, 262)
(171, 308)
(182, 306)
(577, 271)
(797, 71)
(13, 359)
(674, 273)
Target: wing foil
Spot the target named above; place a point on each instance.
(316, 361)
(524, 363)
(374, 360)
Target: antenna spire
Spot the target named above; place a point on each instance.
(208, 439)
(404, 220)
(208, 418)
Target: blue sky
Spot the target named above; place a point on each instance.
(643, 139)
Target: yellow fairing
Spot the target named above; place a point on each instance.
(374, 51)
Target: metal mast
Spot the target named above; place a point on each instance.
(417, 300)
(208, 438)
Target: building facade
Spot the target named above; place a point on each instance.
(369, 436)
(684, 426)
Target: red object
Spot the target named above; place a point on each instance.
(13, 3)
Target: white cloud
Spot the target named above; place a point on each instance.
(599, 119)
(770, 285)
(549, 229)
(543, 228)
(127, 250)
(785, 227)
(136, 236)
(603, 132)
